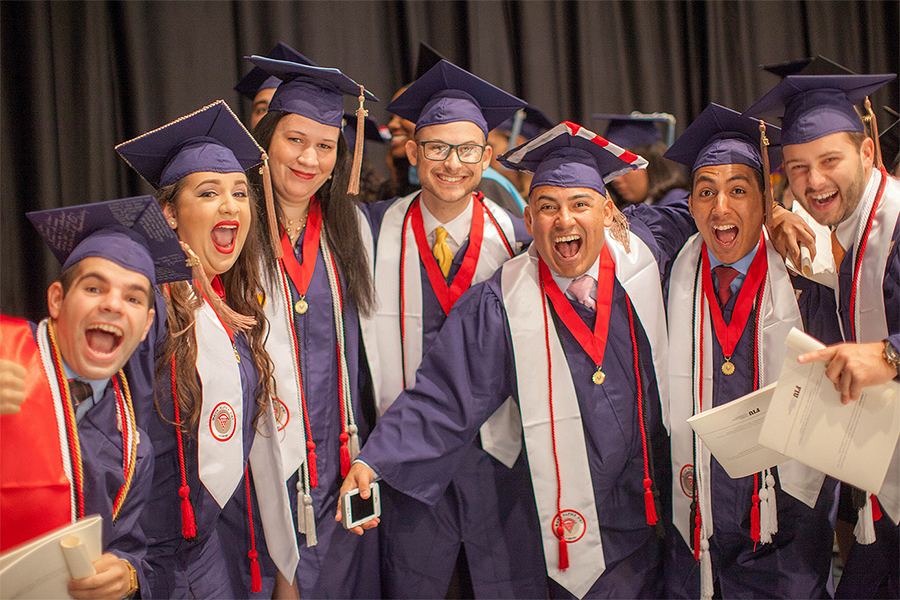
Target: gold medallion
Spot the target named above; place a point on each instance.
(599, 376)
(301, 306)
(727, 367)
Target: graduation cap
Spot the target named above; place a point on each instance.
(428, 57)
(637, 128)
(721, 136)
(210, 139)
(571, 156)
(257, 79)
(813, 106)
(448, 94)
(316, 93)
(531, 123)
(131, 232)
(371, 132)
(814, 65)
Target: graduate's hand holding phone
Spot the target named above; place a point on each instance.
(359, 477)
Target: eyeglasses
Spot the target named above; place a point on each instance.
(467, 153)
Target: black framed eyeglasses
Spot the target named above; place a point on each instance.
(467, 153)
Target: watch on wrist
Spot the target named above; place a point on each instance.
(891, 355)
(135, 585)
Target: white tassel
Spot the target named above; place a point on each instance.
(706, 578)
(768, 512)
(354, 442)
(865, 526)
(310, 513)
(773, 502)
(301, 515)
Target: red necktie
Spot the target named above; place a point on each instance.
(725, 275)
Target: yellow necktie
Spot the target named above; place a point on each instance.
(441, 250)
(837, 251)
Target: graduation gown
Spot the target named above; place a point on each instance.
(341, 564)
(421, 442)
(481, 504)
(101, 458)
(873, 570)
(797, 562)
(212, 565)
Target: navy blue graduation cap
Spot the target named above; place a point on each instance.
(210, 139)
(721, 136)
(257, 79)
(131, 232)
(428, 57)
(531, 121)
(813, 106)
(814, 65)
(316, 93)
(571, 156)
(371, 131)
(637, 128)
(448, 94)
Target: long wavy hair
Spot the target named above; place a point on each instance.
(244, 292)
(338, 217)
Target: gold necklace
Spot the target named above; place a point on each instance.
(292, 231)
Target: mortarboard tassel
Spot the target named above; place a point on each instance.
(231, 317)
(361, 113)
(563, 550)
(345, 454)
(270, 207)
(309, 516)
(873, 127)
(769, 197)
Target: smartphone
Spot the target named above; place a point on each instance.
(356, 511)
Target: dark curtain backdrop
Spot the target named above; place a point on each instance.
(80, 77)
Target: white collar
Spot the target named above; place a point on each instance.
(846, 230)
(457, 229)
(563, 282)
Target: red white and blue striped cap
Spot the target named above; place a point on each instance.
(571, 156)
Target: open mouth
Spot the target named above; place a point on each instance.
(567, 246)
(822, 199)
(725, 234)
(224, 235)
(103, 339)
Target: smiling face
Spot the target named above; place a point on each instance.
(727, 205)
(448, 181)
(567, 225)
(302, 154)
(102, 316)
(828, 175)
(212, 216)
(402, 130)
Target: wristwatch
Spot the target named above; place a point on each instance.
(891, 355)
(135, 585)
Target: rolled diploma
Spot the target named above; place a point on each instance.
(76, 555)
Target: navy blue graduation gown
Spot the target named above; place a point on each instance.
(342, 564)
(481, 508)
(797, 564)
(213, 565)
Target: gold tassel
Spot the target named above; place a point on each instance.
(361, 114)
(232, 318)
(270, 207)
(769, 196)
(619, 230)
(873, 127)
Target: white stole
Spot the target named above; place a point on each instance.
(779, 315)
(221, 437)
(870, 316)
(638, 273)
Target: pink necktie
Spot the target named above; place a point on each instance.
(581, 288)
